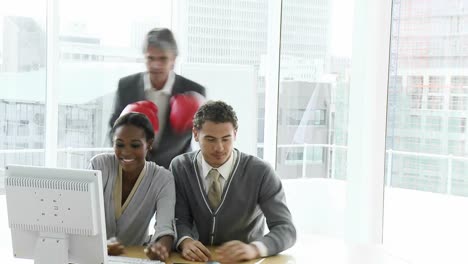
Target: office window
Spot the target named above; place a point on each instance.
(459, 179)
(457, 125)
(23, 129)
(435, 102)
(429, 167)
(456, 147)
(306, 117)
(223, 45)
(313, 107)
(310, 155)
(313, 99)
(225, 48)
(318, 117)
(93, 56)
(436, 84)
(22, 81)
(432, 146)
(434, 123)
(413, 122)
(415, 90)
(459, 103)
(411, 143)
(459, 84)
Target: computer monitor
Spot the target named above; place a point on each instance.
(56, 216)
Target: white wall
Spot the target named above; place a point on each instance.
(317, 205)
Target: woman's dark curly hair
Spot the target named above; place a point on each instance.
(135, 119)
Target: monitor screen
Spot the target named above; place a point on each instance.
(56, 215)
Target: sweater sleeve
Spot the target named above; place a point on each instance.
(165, 207)
(102, 163)
(183, 214)
(272, 202)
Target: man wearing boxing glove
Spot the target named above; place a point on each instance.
(175, 96)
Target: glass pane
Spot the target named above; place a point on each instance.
(313, 110)
(23, 83)
(224, 47)
(96, 50)
(427, 159)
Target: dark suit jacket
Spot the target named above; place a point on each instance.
(171, 144)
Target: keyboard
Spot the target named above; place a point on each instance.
(128, 260)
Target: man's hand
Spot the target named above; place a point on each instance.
(235, 251)
(161, 249)
(194, 250)
(114, 248)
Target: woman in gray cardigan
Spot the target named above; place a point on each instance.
(135, 190)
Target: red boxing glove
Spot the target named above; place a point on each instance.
(183, 108)
(148, 108)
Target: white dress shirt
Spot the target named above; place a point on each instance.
(224, 171)
(160, 98)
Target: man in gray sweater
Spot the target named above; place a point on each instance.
(227, 195)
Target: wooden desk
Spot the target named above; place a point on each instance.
(311, 249)
(137, 252)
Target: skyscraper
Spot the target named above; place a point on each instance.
(236, 32)
(428, 95)
(23, 44)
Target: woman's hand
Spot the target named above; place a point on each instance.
(114, 248)
(161, 249)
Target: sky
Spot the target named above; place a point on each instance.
(108, 18)
(104, 18)
(341, 27)
(110, 21)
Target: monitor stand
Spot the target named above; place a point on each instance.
(51, 249)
